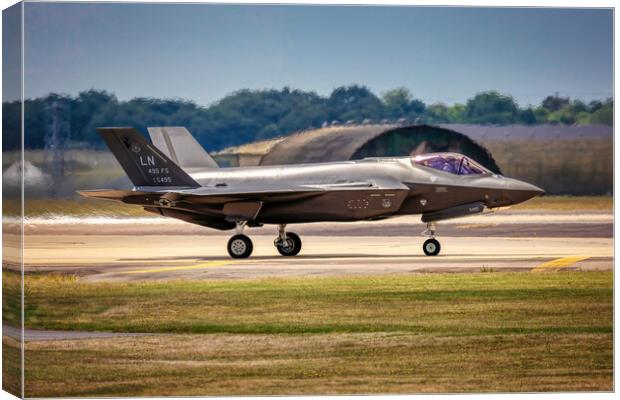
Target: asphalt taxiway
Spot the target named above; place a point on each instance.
(159, 249)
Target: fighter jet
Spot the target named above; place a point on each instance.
(175, 177)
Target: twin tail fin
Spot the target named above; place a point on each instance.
(143, 162)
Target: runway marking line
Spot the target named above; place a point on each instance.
(208, 264)
(559, 263)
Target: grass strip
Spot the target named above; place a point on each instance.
(433, 304)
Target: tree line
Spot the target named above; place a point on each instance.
(249, 115)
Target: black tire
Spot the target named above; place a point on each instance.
(431, 247)
(239, 246)
(293, 246)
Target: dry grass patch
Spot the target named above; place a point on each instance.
(222, 364)
(568, 203)
(11, 366)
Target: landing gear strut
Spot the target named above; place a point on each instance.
(287, 243)
(240, 246)
(431, 246)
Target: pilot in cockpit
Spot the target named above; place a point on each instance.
(452, 163)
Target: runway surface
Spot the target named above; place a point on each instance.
(497, 224)
(128, 258)
(160, 249)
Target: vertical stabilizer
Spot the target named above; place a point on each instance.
(181, 147)
(144, 164)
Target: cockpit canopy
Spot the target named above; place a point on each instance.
(453, 163)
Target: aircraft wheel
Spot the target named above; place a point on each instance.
(240, 246)
(431, 247)
(291, 246)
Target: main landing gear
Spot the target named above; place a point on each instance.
(431, 246)
(288, 244)
(240, 246)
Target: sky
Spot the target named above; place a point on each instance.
(204, 52)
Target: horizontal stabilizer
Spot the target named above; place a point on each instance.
(106, 194)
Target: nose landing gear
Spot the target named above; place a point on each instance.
(287, 243)
(431, 246)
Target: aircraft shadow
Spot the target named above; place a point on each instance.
(330, 256)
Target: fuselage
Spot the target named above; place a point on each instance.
(372, 188)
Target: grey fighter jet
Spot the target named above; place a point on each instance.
(175, 177)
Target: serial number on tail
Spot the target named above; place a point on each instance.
(162, 179)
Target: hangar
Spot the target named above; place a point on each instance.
(339, 143)
(559, 158)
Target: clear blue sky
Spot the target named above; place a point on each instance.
(204, 52)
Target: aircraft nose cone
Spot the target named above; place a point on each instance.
(519, 191)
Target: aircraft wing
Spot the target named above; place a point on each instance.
(230, 203)
(225, 194)
(279, 191)
(204, 195)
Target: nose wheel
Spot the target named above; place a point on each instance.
(431, 246)
(287, 243)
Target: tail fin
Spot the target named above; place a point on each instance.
(144, 163)
(178, 144)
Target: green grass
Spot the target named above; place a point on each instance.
(484, 332)
(351, 363)
(433, 304)
(11, 298)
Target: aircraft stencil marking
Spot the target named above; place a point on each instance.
(150, 160)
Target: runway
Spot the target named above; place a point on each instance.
(127, 258)
(160, 249)
(496, 224)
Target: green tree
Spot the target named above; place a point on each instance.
(437, 114)
(397, 102)
(564, 115)
(491, 108)
(456, 113)
(604, 115)
(555, 103)
(354, 103)
(527, 116)
(11, 125)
